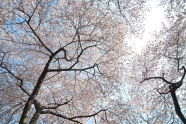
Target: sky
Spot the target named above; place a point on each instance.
(153, 23)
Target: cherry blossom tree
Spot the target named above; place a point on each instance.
(60, 60)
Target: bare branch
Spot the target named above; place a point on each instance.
(72, 69)
(59, 115)
(71, 118)
(161, 78)
(56, 105)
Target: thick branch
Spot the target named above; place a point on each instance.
(177, 107)
(59, 115)
(31, 28)
(56, 105)
(86, 116)
(162, 78)
(71, 69)
(72, 118)
(39, 39)
(184, 72)
(35, 92)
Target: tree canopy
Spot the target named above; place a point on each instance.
(68, 61)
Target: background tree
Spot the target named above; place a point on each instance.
(163, 67)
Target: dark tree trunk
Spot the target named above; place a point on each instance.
(177, 107)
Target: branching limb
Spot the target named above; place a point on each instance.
(31, 28)
(158, 77)
(71, 69)
(56, 105)
(3, 66)
(72, 118)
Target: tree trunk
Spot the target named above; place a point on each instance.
(177, 107)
